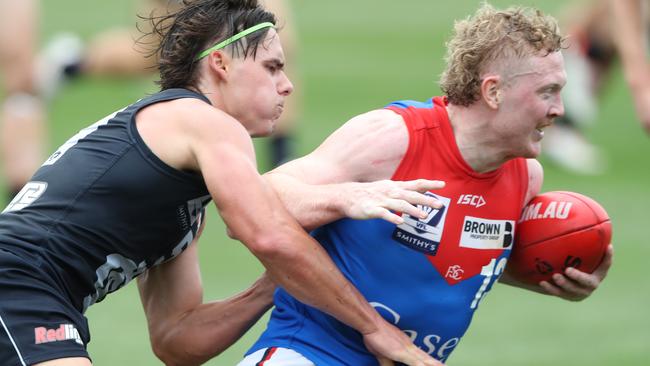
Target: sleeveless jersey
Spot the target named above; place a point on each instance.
(103, 208)
(426, 276)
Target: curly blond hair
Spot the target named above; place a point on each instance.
(491, 35)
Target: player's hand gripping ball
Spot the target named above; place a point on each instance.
(559, 230)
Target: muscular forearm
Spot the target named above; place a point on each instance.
(306, 271)
(311, 205)
(295, 261)
(316, 205)
(210, 328)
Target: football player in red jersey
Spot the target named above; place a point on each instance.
(498, 109)
(502, 83)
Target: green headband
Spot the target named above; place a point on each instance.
(234, 38)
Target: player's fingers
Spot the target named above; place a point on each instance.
(421, 185)
(423, 358)
(417, 198)
(385, 362)
(429, 361)
(384, 214)
(585, 280)
(572, 291)
(433, 363)
(603, 268)
(550, 288)
(404, 207)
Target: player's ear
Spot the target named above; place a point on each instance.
(491, 90)
(219, 62)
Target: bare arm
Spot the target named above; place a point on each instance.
(184, 330)
(209, 141)
(367, 148)
(628, 27)
(629, 36)
(252, 211)
(535, 179)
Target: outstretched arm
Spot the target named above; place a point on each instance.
(348, 175)
(629, 27)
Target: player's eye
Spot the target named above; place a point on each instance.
(273, 68)
(551, 90)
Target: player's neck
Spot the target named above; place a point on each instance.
(475, 139)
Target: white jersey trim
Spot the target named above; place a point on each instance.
(20, 356)
(278, 357)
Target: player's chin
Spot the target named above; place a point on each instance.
(534, 148)
(266, 129)
(532, 152)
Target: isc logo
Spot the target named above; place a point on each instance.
(471, 199)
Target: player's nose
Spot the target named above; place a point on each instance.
(285, 86)
(557, 108)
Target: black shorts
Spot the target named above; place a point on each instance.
(37, 320)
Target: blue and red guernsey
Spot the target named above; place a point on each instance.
(427, 276)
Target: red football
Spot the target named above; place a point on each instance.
(559, 230)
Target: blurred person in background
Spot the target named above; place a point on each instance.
(630, 32)
(22, 111)
(119, 52)
(502, 86)
(607, 32)
(126, 196)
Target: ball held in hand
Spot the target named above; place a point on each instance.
(559, 230)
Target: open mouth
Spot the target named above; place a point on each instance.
(540, 130)
(541, 127)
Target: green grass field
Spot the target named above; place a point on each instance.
(356, 56)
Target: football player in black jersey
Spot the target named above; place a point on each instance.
(125, 197)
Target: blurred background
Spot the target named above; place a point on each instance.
(355, 56)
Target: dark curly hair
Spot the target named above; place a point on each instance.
(198, 25)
